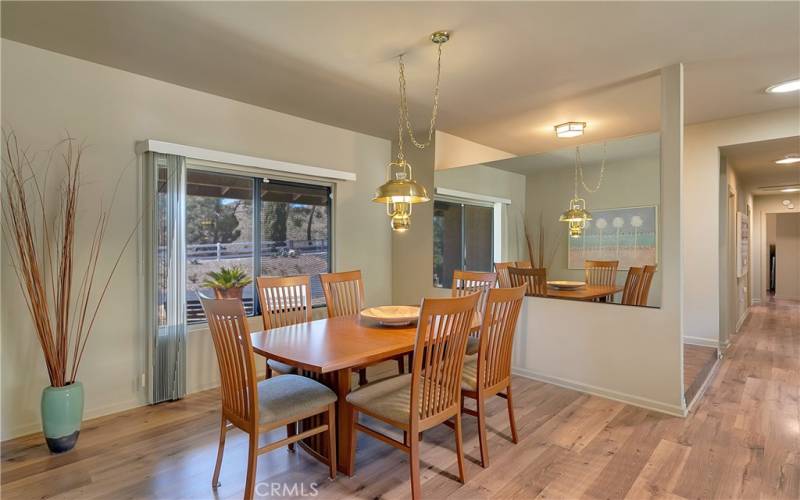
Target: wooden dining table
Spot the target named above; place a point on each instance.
(585, 292)
(328, 350)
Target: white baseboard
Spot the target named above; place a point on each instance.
(622, 397)
(701, 341)
(102, 411)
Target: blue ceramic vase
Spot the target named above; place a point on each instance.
(62, 412)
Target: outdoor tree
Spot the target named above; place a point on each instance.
(212, 220)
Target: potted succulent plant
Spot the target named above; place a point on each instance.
(57, 267)
(228, 282)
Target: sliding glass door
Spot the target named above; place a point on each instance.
(462, 239)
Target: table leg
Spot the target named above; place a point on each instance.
(344, 422)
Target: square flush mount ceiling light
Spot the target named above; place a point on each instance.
(783, 87)
(570, 129)
(788, 159)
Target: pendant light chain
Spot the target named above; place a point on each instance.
(579, 166)
(404, 115)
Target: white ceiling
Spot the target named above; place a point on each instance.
(640, 146)
(510, 72)
(754, 163)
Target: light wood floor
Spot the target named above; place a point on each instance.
(742, 441)
(697, 364)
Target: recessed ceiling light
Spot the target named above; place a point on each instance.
(780, 88)
(790, 190)
(788, 159)
(570, 129)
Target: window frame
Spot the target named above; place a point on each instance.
(259, 177)
(461, 198)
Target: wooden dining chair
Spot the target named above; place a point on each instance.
(501, 268)
(257, 407)
(601, 272)
(647, 281)
(489, 373)
(633, 281)
(523, 264)
(431, 394)
(344, 296)
(467, 282)
(284, 301)
(534, 280)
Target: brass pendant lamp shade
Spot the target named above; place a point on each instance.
(401, 191)
(576, 217)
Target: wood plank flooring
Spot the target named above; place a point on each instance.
(742, 441)
(697, 364)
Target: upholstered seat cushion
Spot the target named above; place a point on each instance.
(472, 344)
(388, 398)
(469, 375)
(283, 368)
(286, 396)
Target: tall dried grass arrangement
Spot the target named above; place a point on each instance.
(40, 241)
(537, 253)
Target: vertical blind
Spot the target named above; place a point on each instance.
(165, 175)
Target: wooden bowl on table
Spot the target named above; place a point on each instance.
(392, 315)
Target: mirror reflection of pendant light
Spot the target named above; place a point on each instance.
(401, 191)
(577, 216)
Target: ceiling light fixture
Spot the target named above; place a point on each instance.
(570, 129)
(788, 159)
(401, 191)
(783, 87)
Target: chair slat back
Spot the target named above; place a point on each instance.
(284, 300)
(468, 282)
(644, 288)
(227, 321)
(503, 306)
(344, 293)
(630, 294)
(523, 264)
(601, 272)
(442, 332)
(501, 268)
(534, 280)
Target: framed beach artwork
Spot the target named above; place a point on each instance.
(629, 235)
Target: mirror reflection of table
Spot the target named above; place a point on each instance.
(586, 292)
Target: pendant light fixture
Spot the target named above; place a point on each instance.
(401, 191)
(577, 216)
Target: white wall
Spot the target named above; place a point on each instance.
(787, 256)
(701, 185)
(633, 354)
(44, 94)
(453, 151)
(763, 205)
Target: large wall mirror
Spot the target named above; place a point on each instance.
(505, 216)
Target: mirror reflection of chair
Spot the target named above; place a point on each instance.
(344, 296)
(647, 280)
(431, 394)
(501, 268)
(630, 294)
(489, 373)
(601, 272)
(534, 280)
(523, 264)
(260, 407)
